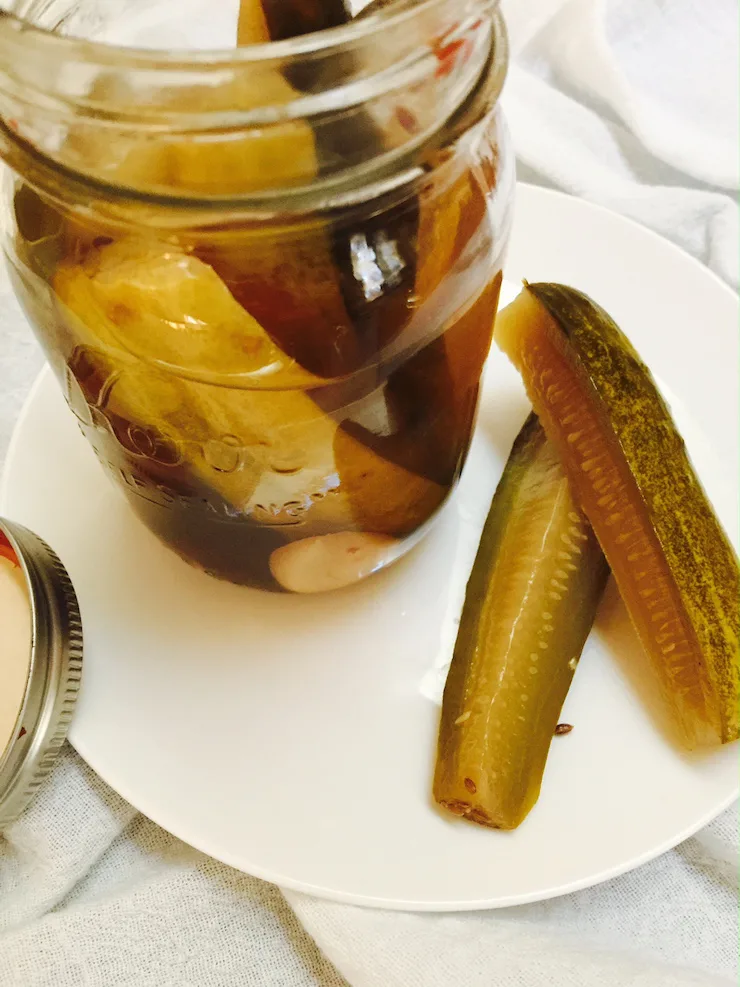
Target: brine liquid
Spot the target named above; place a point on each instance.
(385, 323)
(405, 419)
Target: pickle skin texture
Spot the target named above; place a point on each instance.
(530, 603)
(673, 563)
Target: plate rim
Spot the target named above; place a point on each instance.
(160, 817)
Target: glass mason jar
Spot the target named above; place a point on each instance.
(265, 276)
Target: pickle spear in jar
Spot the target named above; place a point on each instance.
(176, 355)
(384, 496)
(530, 602)
(179, 357)
(219, 162)
(168, 308)
(285, 278)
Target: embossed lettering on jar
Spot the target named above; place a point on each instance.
(265, 273)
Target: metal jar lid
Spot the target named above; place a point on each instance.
(54, 670)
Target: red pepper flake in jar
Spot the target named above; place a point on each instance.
(448, 55)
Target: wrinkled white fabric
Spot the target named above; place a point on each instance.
(629, 103)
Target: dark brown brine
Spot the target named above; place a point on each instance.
(251, 383)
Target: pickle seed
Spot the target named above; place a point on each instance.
(563, 728)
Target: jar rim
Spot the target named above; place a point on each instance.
(17, 29)
(387, 173)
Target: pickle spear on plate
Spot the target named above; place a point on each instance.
(673, 563)
(530, 602)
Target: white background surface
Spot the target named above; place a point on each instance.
(93, 894)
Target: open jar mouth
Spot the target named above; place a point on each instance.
(382, 92)
(392, 15)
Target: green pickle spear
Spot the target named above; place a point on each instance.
(675, 567)
(530, 602)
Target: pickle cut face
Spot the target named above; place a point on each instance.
(168, 308)
(164, 332)
(384, 496)
(673, 563)
(529, 606)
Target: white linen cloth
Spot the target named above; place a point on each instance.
(630, 103)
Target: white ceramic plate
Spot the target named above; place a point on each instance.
(294, 737)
